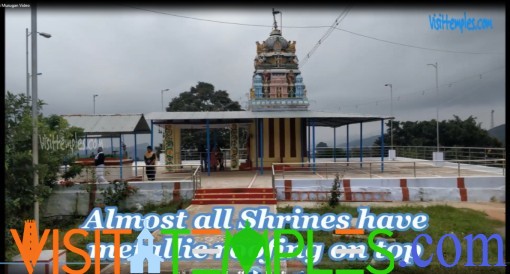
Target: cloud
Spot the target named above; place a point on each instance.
(128, 56)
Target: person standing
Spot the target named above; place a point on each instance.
(203, 157)
(99, 163)
(218, 155)
(150, 161)
(213, 161)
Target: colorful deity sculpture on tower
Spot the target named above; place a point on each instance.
(277, 81)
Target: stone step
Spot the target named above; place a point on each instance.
(229, 196)
(233, 201)
(235, 195)
(234, 190)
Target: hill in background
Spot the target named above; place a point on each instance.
(367, 142)
(498, 133)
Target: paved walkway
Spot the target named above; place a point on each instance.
(237, 179)
(371, 168)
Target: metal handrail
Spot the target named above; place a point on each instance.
(418, 152)
(138, 173)
(194, 155)
(197, 180)
(368, 171)
(272, 180)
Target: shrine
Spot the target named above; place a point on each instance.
(277, 81)
(280, 126)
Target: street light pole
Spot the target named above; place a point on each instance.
(162, 98)
(28, 74)
(94, 99)
(35, 110)
(35, 145)
(437, 106)
(27, 34)
(391, 113)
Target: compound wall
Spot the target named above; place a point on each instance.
(472, 189)
(81, 198)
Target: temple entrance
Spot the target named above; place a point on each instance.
(215, 147)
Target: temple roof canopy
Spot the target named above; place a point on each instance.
(320, 118)
(109, 125)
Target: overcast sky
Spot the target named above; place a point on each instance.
(127, 56)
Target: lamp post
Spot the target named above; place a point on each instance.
(27, 34)
(35, 114)
(38, 74)
(391, 113)
(162, 98)
(437, 106)
(94, 99)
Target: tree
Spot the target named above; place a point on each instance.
(334, 200)
(322, 151)
(203, 97)
(321, 145)
(452, 133)
(19, 188)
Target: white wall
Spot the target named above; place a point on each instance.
(479, 189)
(76, 199)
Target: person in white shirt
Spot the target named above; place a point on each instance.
(99, 162)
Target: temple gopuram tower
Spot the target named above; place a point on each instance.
(277, 81)
(277, 86)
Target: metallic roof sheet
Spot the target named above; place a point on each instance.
(107, 125)
(325, 119)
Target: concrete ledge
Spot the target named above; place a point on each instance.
(473, 189)
(80, 199)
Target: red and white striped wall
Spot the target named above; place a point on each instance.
(473, 189)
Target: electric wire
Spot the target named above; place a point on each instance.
(330, 28)
(339, 19)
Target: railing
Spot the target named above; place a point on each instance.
(378, 169)
(450, 153)
(272, 179)
(197, 180)
(139, 173)
(415, 152)
(194, 155)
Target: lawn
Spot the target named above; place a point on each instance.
(442, 220)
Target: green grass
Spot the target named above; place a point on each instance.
(442, 220)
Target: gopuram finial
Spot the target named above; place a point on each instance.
(275, 12)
